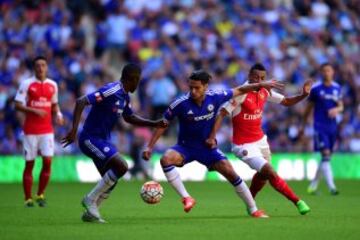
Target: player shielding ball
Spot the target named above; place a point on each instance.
(108, 104)
(249, 141)
(37, 97)
(325, 99)
(196, 113)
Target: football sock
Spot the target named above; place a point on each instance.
(105, 183)
(257, 184)
(28, 179)
(44, 175)
(281, 186)
(315, 182)
(174, 179)
(327, 172)
(244, 193)
(105, 195)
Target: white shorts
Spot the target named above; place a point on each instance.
(41, 143)
(255, 154)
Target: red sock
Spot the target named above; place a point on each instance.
(44, 175)
(281, 186)
(257, 184)
(27, 178)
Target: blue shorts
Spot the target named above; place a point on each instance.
(204, 156)
(324, 140)
(99, 150)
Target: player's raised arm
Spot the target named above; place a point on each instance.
(290, 101)
(79, 107)
(240, 90)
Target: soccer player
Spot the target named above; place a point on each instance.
(249, 141)
(325, 99)
(196, 113)
(108, 103)
(37, 97)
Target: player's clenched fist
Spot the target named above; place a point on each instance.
(146, 154)
(161, 123)
(211, 143)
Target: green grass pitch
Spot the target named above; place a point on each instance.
(219, 214)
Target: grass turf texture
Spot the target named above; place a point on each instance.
(219, 214)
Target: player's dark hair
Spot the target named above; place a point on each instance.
(325, 65)
(130, 70)
(37, 58)
(200, 75)
(257, 66)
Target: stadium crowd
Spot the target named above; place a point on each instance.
(87, 43)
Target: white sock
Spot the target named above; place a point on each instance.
(106, 182)
(327, 172)
(173, 177)
(315, 182)
(244, 193)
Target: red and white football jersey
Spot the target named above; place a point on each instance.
(38, 94)
(246, 111)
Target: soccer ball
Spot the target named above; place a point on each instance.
(151, 192)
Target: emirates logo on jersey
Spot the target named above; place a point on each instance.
(256, 116)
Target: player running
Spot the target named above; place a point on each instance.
(249, 141)
(37, 97)
(196, 114)
(108, 103)
(325, 99)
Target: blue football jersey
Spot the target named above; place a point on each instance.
(108, 103)
(196, 122)
(325, 98)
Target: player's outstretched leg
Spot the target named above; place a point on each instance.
(105, 195)
(327, 172)
(168, 162)
(89, 201)
(226, 169)
(43, 181)
(116, 169)
(257, 183)
(312, 189)
(27, 183)
(282, 187)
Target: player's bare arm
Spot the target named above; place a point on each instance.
(333, 112)
(211, 141)
(146, 154)
(19, 106)
(81, 103)
(256, 86)
(308, 110)
(139, 121)
(290, 101)
(58, 115)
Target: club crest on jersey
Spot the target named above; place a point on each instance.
(261, 95)
(98, 97)
(106, 149)
(210, 107)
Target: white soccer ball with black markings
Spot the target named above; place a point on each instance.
(151, 192)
